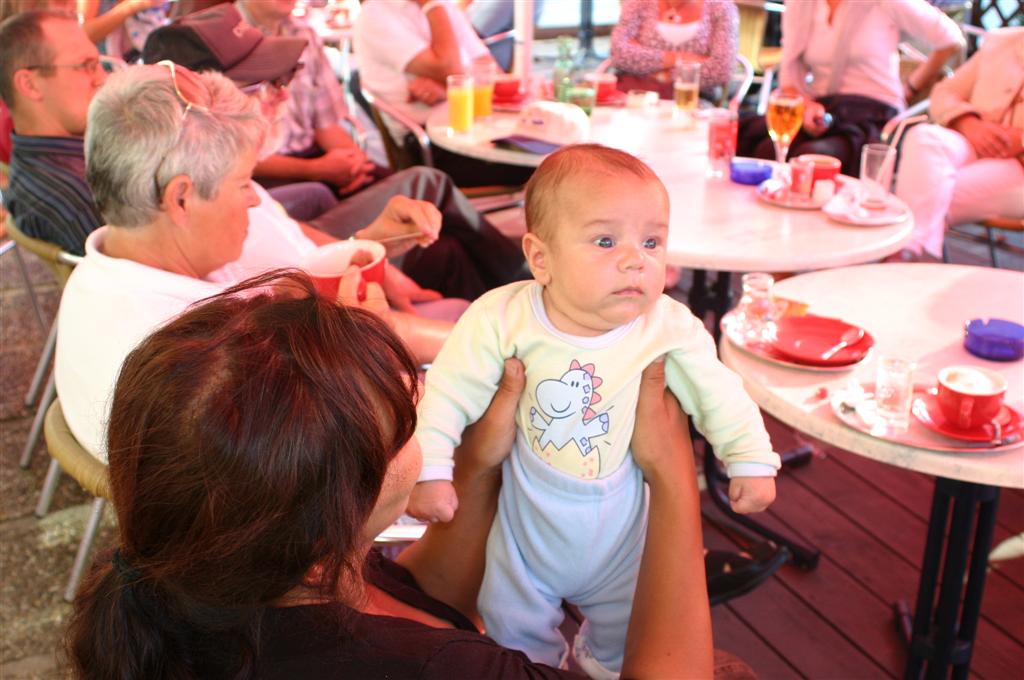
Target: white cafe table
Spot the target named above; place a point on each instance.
(915, 311)
(715, 224)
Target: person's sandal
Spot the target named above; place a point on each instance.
(731, 574)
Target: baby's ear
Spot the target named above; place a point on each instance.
(537, 258)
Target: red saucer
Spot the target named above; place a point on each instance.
(517, 98)
(807, 338)
(926, 410)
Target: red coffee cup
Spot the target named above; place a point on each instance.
(326, 264)
(507, 86)
(825, 167)
(970, 396)
(603, 83)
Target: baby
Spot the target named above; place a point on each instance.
(572, 512)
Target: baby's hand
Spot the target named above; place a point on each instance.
(750, 494)
(433, 501)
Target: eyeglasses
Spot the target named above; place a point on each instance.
(279, 82)
(189, 106)
(87, 66)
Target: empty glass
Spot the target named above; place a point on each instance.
(894, 391)
(755, 313)
(876, 166)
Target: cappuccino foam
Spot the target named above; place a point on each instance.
(970, 381)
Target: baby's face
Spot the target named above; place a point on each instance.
(606, 252)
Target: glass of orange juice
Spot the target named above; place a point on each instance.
(484, 73)
(460, 102)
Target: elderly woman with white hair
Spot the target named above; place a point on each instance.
(170, 156)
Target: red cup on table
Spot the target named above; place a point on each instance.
(328, 263)
(507, 86)
(970, 396)
(603, 84)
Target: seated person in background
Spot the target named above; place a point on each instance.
(572, 513)
(470, 256)
(49, 71)
(122, 25)
(170, 164)
(247, 522)
(849, 49)
(316, 147)
(971, 165)
(651, 37)
(407, 49)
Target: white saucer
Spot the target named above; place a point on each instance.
(843, 208)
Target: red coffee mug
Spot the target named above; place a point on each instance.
(825, 167)
(970, 396)
(603, 83)
(507, 86)
(326, 264)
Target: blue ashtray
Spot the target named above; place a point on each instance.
(749, 171)
(995, 339)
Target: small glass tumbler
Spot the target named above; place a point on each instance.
(583, 96)
(876, 167)
(894, 391)
(484, 73)
(756, 310)
(460, 103)
(722, 130)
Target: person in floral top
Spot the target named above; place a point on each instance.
(652, 36)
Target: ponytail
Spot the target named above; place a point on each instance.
(125, 627)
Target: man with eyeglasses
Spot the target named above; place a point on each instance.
(49, 72)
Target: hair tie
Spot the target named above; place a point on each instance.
(127, 574)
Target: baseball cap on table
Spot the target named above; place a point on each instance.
(218, 39)
(544, 127)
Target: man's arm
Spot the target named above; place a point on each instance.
(442, 57)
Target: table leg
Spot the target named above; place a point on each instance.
(716, 298)
(938, 639)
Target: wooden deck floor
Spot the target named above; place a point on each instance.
(868, 519)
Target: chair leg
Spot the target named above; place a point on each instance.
(945, 252)
(45, 359)
(30, 287)
(84, 548)
(49, 394)
(49, 487)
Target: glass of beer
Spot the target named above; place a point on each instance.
(460, 103)
(785, 118)
(687, 86)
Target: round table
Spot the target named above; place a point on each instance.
(715, 224)
(915, 311)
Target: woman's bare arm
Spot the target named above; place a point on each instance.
(448, 562)
(669, 632)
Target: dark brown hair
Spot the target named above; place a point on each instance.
(23, 44)
(570, 161)
(248, 442)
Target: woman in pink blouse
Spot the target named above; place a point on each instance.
(653, 35)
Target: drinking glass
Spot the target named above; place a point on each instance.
(722, 129)
(876, 166)
(484, 73)
(894, 390)
(785, 118)
(582, 95)
(687, 85)
(460, 103)
(756, 310)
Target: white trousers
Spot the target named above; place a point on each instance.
(945, 183)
